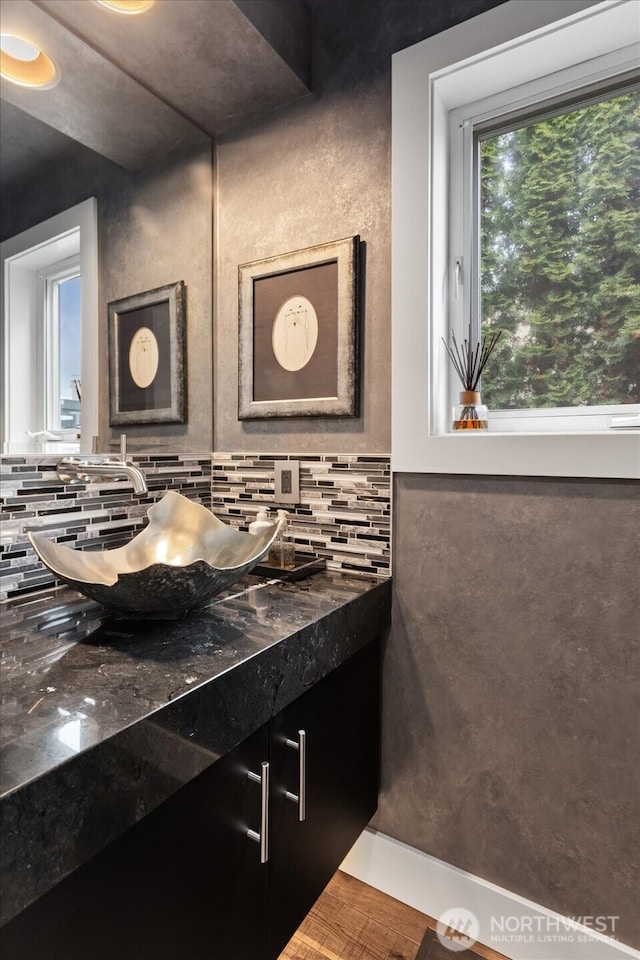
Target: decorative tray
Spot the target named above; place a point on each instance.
(305, 564)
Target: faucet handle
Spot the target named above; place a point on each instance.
(123, 448)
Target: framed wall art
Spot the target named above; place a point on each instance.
(147, 367)
(298, 333)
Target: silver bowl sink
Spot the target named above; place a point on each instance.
(184, 556)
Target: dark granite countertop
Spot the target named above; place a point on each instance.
(103, 719)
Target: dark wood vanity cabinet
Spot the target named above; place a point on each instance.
(188, 882)
(340, 721)
(184, 882)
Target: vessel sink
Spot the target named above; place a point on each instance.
(183, 557)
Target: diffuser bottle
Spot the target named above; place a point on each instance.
(469, 360)
(471, 413)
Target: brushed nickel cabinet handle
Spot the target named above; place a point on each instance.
(263, 837)
(301, 797)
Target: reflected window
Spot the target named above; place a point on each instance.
(50, 333)
(61, 291)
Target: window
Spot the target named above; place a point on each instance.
(519, 210)
(550, 240)
(558, 228)
(49, 334)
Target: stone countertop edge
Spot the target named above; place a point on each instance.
(58, 820)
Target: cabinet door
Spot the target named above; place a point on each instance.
(341, 723)
(185, 882)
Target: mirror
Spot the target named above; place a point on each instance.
(153, 229)
(144, 152)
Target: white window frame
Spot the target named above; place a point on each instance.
(463, 230)
(513, 45)
(25, 258)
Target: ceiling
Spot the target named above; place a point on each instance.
(139, 89)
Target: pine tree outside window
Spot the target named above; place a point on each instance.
(558, 225)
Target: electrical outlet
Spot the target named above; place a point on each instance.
(287, 481)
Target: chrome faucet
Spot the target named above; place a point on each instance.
(75, 470)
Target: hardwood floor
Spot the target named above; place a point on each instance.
(352, 921)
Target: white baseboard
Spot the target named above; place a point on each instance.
(506, 922)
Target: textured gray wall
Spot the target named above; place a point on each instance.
(510, 686)
(277, 192)
(154, 232)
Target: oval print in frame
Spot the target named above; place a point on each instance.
(295, 333)
(144, 357)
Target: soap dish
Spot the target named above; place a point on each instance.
(305, 564)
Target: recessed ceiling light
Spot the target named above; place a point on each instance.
(127, 6)
(24, 63)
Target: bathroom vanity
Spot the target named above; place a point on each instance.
(185, 789)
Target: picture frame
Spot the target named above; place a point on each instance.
(298, 350)
(147, 357)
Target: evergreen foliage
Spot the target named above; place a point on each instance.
(560, 258)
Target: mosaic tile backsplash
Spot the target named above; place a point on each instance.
(93, 516)
(343, 514)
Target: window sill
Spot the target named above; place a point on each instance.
(614, 454)
(491, 432)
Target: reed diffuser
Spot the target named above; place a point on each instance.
(469, 361)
